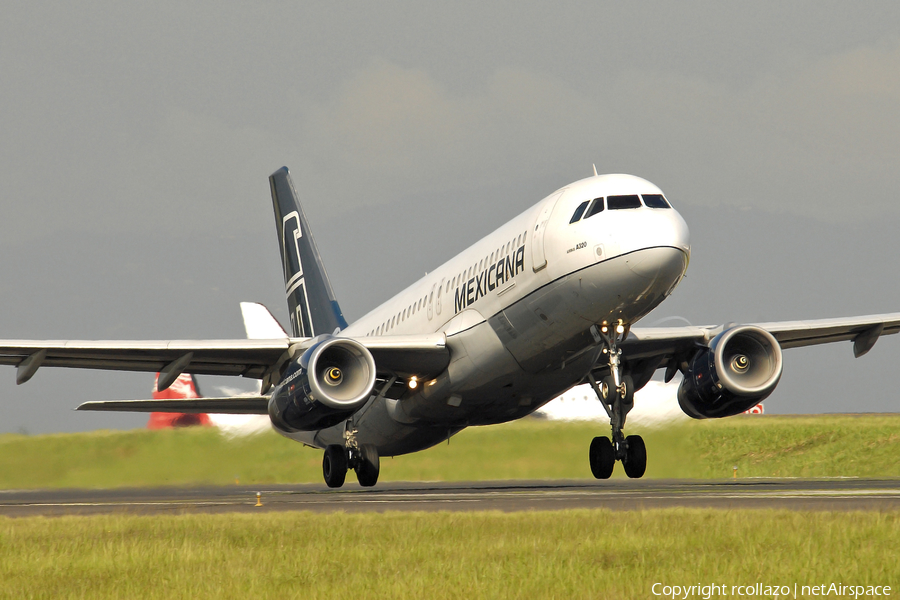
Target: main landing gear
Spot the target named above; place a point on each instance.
(616, 394)
(362, 458)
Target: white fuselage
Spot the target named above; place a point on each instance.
(517, 307)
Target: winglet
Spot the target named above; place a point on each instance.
(311, 302)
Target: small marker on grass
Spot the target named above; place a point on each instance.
(259, 499)
(734, 471)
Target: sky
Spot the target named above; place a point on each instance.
(136, 142)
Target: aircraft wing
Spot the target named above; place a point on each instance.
(422, 355)
(672, 342)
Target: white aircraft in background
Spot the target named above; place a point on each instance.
(655, 406)
(545, 302)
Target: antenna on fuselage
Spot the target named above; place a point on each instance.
(595, 170)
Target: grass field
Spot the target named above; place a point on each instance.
(571, 554)
(566, 554)
(816, 446)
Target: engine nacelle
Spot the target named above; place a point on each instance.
(740, 368)
(327, 384)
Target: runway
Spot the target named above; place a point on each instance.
(511, 495)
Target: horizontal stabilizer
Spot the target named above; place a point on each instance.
(235, 405)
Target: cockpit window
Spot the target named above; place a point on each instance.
(655, 201)
(620, 202)
(596, 206)
(578, 212)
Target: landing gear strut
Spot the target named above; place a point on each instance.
(362, 458)
(616, 394)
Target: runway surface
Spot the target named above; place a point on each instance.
(797, 494)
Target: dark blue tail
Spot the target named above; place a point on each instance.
(311, 302)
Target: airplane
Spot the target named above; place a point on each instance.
(549, 300)
(185, 386)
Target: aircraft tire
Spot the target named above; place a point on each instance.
(602, 457)
(607, 387)
(334, 466)
(369, 465)
(635, 462)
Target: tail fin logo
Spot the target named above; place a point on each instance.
(295, 286)
(293, 266)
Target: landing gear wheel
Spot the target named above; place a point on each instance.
(628, 391)
(625, 391)
(609, 391)
(602, 457)
(334, 466)
(635, 461)
(368, 466)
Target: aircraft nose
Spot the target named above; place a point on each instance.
(679, 234)
(663, 263)
(655, 228)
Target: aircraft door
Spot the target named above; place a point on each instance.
(431, 303)
(538, 256)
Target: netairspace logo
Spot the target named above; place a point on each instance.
(762, 590)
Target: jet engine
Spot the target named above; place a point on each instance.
(327, 384)
(739, 369)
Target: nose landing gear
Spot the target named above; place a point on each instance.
(616, 394)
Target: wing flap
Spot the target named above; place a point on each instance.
(424, 355)
(236, 405)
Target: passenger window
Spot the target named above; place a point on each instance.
(578, 212)
(623, 202)
(655, 201)
(596, 206)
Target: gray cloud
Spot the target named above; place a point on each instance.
(136, 141)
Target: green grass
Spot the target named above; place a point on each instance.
(566, 554)
(767, 446)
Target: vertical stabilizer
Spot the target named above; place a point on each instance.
(259, 322)
(311, 303)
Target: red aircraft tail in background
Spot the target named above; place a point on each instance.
(184, 387)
